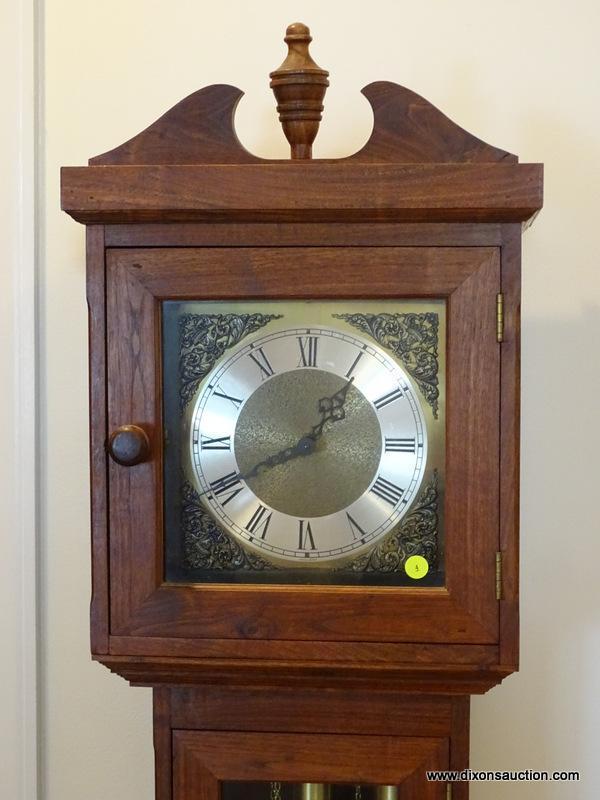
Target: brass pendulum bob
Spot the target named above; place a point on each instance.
(315, 791)
(386, 793)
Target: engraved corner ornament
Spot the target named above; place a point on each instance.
(417, 534)
(208, 546)
(204, 338)
(413, 338)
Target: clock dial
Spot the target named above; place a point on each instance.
(308, 445)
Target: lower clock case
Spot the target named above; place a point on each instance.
(304, 441)
(252, 743)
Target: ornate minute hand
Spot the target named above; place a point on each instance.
(302, 448)
(331, 410)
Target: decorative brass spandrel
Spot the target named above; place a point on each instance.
(413, 338)
(204, 338)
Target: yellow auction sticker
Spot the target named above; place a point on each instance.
(416, 567)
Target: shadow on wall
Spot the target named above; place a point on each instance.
(545, 717)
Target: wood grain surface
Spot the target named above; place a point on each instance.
(308, 234)
(407, 129)
(510, 442)
(95, 291)
(331, 192)
(204, 759)
(375, 726)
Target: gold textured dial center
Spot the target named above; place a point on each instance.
(315, 480)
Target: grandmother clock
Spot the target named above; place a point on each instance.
(304, 440)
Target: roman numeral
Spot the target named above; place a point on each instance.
(259, 521)
(235, 400)
(354, 363)
(305, 536)
(226, 486)
(220, 443)
(387, 490)
(395, 394)
(357, 531)
(399, 445)
(262, 362)
(308, 350)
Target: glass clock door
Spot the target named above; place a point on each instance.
(319, 469)
(304, 441)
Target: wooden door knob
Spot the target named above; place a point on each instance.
(129, 445)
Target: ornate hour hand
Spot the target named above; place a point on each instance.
(331, 410)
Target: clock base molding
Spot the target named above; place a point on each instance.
(456, 679)
(200, 735)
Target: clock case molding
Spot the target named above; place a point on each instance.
(182, 208)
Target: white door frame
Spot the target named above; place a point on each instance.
(19, 49)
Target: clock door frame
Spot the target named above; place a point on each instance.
(159, 618)
(203, 760)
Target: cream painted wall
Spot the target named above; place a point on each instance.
(522, 75)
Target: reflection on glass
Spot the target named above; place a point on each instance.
(304, 442)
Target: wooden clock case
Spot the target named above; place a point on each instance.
(258, 682)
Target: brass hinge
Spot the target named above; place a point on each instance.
(498, 575)
(448, 791)
(500, 317)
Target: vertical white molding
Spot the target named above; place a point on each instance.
(18, 403)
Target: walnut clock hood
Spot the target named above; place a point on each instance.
(304, 411)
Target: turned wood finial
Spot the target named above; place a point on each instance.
(299, 86)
